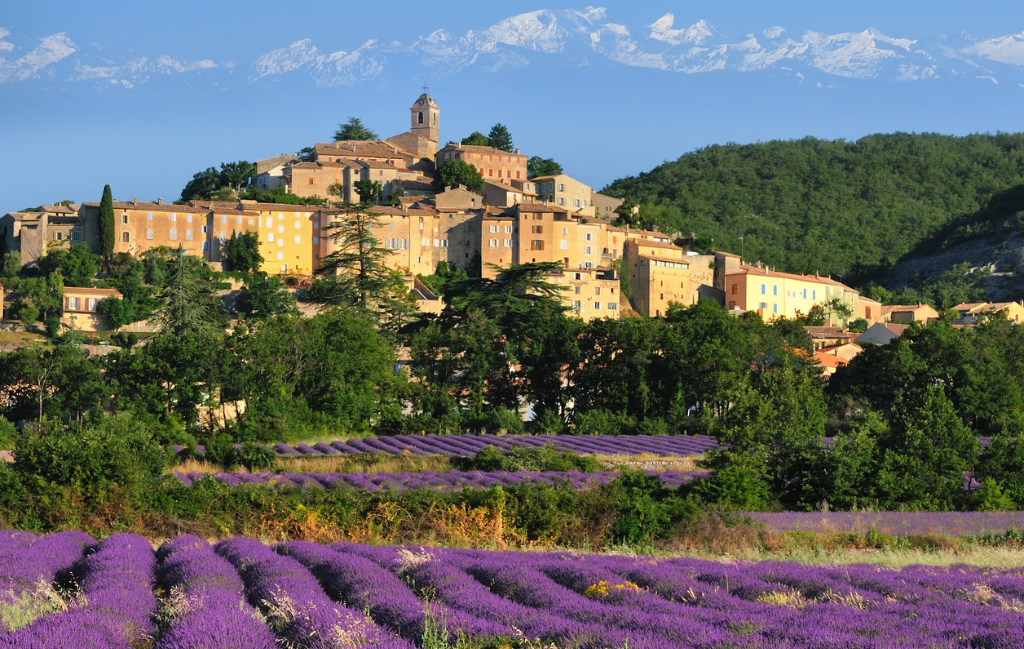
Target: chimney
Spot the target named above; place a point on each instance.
(517, 151)
(159, 201)
(135, 201)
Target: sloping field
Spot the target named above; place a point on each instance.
(677, 445)
(446, 481)
(241, 593)
(894, 523)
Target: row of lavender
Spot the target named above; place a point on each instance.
(676, 445)
(241, 593)
(895, 523)
(446, 481)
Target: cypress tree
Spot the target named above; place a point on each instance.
(107, 234)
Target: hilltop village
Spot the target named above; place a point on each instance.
(605, 270)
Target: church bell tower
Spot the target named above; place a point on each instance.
(426, 118)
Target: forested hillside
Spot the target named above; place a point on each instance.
(851, 209)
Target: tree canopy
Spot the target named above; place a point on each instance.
(839, 207)
(458, 172)
(353, 129)
(211, 182)
(538, 166)
(500, 138)
(242, 252)
(476, 138)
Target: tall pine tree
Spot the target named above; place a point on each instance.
(107, 234)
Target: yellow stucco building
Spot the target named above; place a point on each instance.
(774, 295)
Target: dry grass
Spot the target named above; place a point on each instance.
(368, 463)
(11, 340)
(650, 462)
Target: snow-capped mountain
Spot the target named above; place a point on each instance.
(570, 37)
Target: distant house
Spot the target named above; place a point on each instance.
(870, 310)
(906, 314)
(846, 351)
(827, 336)
(829, 363)
(881, 333)
(971, 312)
(81, 307)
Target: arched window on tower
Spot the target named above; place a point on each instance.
(420, 120)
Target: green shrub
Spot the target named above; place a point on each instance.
(525, 458)
(8, 434)
(90, 459)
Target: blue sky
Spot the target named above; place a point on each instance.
(143, 95)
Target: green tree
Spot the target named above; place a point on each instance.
(500, 138)
(538, 166)
(628, 213)
(106, 224)
(42, 295)
(773, 431)
(369, 191)
(236, 174)
(78, 264)
(353, 129)
(202, 186)
(242, 252)
(264, 297)
(452, 173)
(191, 307)
(307, 154)
(924, 453)
(356, 274)
(476, 138)
(11, 265)
(116, 311)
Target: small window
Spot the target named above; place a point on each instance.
(174, 217)
(280, 243)
(588, 250)
(280, 229)
(764, 289)
(590, 236)
(124, 219)
(298, 225)
(238, 220)
(312, 181)
(597, 290)
(125, 237)
(188, 234)
(149, 233)
(270, 237)
(494, 228)
(565, 245)
(149, 216)
(579, 290)
(298, 239)
(202, 229)
(173, 236)
(270, 221)
(316, 240)
(280, 256)
(494, 243)
(735, 289)
(188, 218)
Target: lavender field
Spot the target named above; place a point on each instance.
(676, 445)
(240, 593)
(446, 481)
(895, 523)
